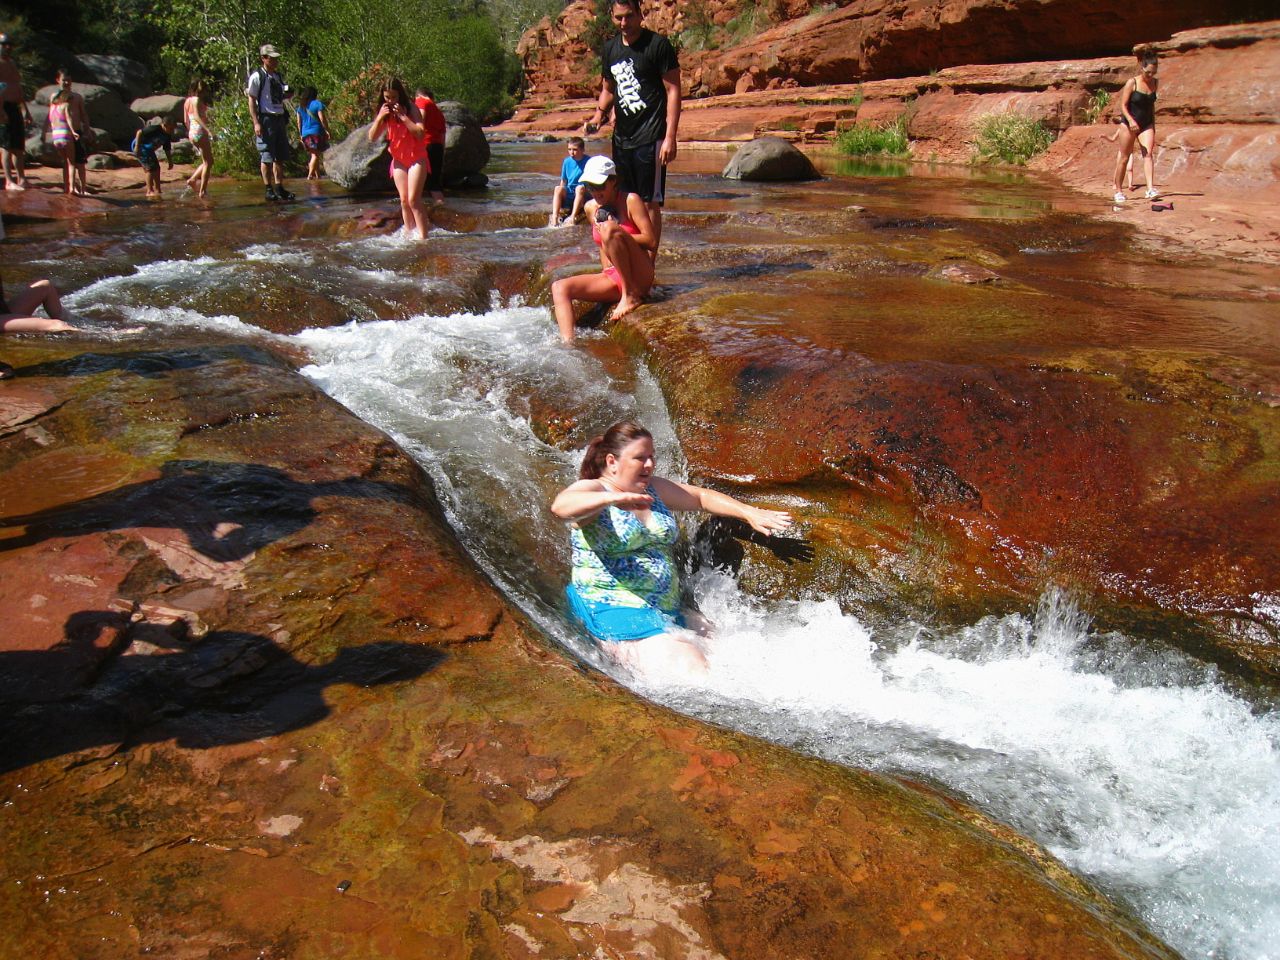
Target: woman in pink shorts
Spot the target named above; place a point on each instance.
(622, 229)
(406, 135)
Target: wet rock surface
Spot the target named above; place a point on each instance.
(257, 702)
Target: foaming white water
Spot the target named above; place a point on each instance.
(148, 277)
(182, 317)
(459, 393)
(1137, 769)
(277, 253)
(1165, 793)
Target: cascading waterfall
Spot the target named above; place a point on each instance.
(1138, 767)
(1144, 772)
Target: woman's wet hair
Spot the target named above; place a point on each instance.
(197, 89)
(307, 95)
(1148, 56)
(612, 441)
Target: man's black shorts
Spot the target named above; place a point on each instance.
(435, 179)
(17, 129)
(639, 171)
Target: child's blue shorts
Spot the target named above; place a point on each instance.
(604, 621)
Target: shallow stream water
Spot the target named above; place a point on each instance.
(1141, 768)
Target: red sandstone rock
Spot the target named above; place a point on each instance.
(363, 754)
(863, 40)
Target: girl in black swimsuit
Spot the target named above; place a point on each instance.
(1138, 110)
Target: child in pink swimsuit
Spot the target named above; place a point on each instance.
(398, 116)
(62, 128)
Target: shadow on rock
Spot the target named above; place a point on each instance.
(225, 687)
(150, 364)
(227, 510)
(719, 541)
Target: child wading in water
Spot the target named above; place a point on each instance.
(151, 138)
(399, 117)
(195, 114)
(313, 128)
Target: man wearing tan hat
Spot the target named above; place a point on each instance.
(13, 146)
(267, 94)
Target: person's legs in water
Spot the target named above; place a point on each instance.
(22, 307)
(415, 181)
(589, 287)
(675, 652)
(557, 201)
(580, 197)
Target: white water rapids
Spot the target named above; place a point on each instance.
(1140, 769)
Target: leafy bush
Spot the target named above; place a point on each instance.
(601, 29)
(1010, 137)
(699, 31)
(869, 138)
(1098, 101)
(355, 103)
(750, 21)
(233, 147)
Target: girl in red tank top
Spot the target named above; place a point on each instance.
(398, 116)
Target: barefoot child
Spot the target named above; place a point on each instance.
(151, 138)
(79, 114)
(63, 130)
(569, 185)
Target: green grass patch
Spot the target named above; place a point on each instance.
(1010, 138)
(864, 139)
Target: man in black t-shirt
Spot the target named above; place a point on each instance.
(641, 85)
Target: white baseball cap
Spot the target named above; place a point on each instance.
(597, 171)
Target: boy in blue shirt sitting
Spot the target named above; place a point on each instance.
(570, 171)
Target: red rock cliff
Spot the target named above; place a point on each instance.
(735, 46)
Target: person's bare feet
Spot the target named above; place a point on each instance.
(625, 305)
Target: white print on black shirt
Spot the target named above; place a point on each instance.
(627, 87)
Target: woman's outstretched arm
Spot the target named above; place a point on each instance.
(685, 496)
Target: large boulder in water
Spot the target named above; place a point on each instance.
(359, 165)
(770, 158)
(106, 110)
(466, 149)
(128, 78)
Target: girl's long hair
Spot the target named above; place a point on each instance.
(406, 104)
(612, 441)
